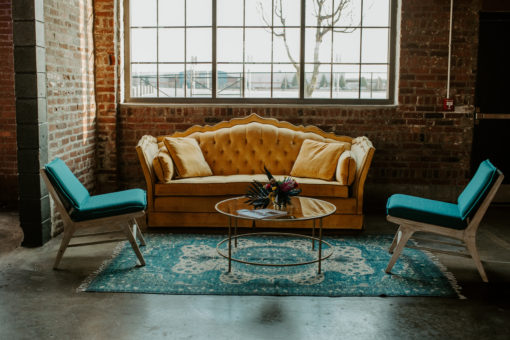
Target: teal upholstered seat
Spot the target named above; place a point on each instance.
(458, 220)
(425, 210)
(441, 213)
(86, 207)
(79, 210)
(112, 204)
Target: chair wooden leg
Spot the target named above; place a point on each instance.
(471, 246)
(134, 245)
(138, 233)
(68, 234)
(405, 235)
(395, 240)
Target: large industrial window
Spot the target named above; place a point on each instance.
(255, 51)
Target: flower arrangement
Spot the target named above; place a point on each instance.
(275, 192)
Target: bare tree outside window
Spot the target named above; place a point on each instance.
(326, 18)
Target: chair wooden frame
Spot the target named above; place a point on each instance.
(468, 235)
(127, 222)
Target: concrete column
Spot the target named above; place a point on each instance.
(31, 117)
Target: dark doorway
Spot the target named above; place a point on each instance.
(492, 124)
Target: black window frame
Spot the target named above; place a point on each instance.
(268, 101)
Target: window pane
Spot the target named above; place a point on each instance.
(171, 45)
(258, 45)
(317, 81)
(374, 81)
(171, 80)
(143, 45)
(256, 10)
(171, 12)
(198, 80)
(346, 46)
(345, 81)
(285, 81)
(324, 53)
(198, 45)
(229, 44)
(375, 45)
(143, 80)
(289, 11)
(229, 13)
(230, 80)
(376, 12)
(279, 50)
(198, 12)
(316, 8)
(350, 14)
(143, 12)
(258, 81)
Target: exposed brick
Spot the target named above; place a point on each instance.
(8, 149)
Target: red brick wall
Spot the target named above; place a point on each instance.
(420, 149)
(107, 67)
(70, 85)
(8, 148)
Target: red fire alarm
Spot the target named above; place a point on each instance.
(448, 104)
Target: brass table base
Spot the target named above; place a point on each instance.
(312, 238)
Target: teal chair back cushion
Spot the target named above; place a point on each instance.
(69, 186)
(477, 188)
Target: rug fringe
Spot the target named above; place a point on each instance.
(86, 283)
(449, 275)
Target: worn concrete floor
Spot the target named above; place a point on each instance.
(37, 302)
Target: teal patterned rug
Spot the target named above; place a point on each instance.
(190, 264)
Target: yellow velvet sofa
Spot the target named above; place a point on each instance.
(236, 152)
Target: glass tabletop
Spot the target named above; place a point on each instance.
(302, 208)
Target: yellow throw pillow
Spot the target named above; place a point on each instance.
(163, 165)
(188, 157)
(317, 160)
(346, 169)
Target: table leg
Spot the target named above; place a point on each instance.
(229, 243)
(320, 244)
(235, 232)
(313, 235)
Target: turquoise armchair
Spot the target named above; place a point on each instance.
(80, 210)
(458, 220)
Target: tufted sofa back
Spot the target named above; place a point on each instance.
(245, 149)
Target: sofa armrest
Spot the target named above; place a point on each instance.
(147, 149)
(363, 151)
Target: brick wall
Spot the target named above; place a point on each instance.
(420, 149)
(8, 148)
(107, 63)
(70, 85)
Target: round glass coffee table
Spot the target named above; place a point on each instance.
(301, 209)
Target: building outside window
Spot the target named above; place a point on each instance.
(255, 50)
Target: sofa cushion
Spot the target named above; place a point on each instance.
(237, 185)
(317, 160)
(346, 168)
(163, 165)
(425, 210)
(188, 157)
(247, 148)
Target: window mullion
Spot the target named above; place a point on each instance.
(214, 50)
(243, 86)
(185, 49)
(302, 53)
(157, 48)
(360, 50)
